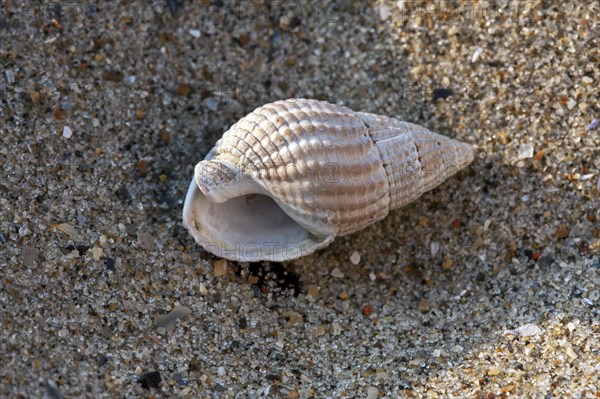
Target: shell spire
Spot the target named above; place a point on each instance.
(289, 177)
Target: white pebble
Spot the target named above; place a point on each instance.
(194, 32)
(355, 258)
(476, 54)
(221, 371)
(67, 132)
(384, 12)
(337, 273)
(525, 151)
(372, 393)
(10, 76)
(524, 331)
(571, 104)
(129, 80)
(95, 122)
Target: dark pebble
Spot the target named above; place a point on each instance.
(2, 238)
(82, 249)
(174, 5)
(150, 380)
(545, 260)
(68, 248)
(243, 323)
(110, 263)
(91, 10)
(123, 194)
(256, 291)
(234, 345)
(518, 366)
(441, 93)
(194, 365)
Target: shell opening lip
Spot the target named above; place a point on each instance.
(250, 227)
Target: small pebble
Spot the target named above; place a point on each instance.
(372, 393)
(220, 268)
(562, 232)
(545, 260)
(97, 253)
(587, 301)
(441, 93)
(52, 391)
(202, 289)
(424, 306)
(594, 124)
(211, 104)
(65, 105)
(493, 372)
(67, 132)
(384, 12)
(524, 331)
(81, 219)
(69, 230)
(355, 258)
(30, 256)
(129, 80)
(194, 32)
(447, 263)
(110, 264)
(525, 151)
(169, 320)
(146, 240)
(476, 54)
(150, 380)
(337, 273)
(10, 76)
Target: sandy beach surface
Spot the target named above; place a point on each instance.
(486, 287)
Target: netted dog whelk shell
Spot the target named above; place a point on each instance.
(288, 178)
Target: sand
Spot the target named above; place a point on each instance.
(105, 110)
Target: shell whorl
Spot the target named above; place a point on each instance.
(330, 169)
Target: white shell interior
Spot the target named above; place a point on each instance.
(250, 227)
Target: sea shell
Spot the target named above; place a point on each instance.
(289, 177)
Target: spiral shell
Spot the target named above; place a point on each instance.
(289, 177)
